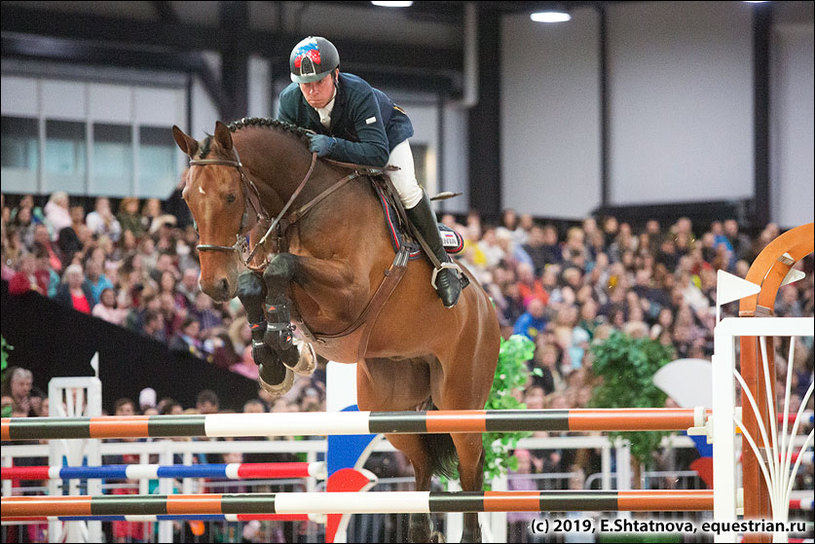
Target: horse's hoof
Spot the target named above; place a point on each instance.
(436, 537)
(307, 360)
(263, 355)
(473, 537)
(278, 389)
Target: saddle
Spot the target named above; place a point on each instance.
(405, 246)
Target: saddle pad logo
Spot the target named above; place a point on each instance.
(309, 50)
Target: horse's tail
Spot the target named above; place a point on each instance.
(441, 450)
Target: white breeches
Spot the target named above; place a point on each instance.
(404, 179)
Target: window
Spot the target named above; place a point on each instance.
(65, 157)
(20, 154)
(112, 160)
(20, 137)
(157, 161)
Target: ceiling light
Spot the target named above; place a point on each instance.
(393, 4)
(550, 17)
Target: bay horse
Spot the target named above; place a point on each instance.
(321, 268)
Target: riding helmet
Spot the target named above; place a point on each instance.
(312, 59)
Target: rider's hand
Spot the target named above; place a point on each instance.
(322, 144)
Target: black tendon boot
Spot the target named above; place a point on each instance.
(447, 283)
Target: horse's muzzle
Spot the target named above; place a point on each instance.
(219, 290)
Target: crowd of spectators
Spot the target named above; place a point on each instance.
(562, 287)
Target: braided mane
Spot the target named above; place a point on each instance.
(300, 132)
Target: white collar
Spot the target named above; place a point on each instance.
(325, 112)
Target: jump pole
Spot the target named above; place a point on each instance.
(345, 423)
(229, 471)
(422, 502)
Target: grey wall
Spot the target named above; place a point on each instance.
(680, 84)
(792, 120)
(550, 121)
(680, 110)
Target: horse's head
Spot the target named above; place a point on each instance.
(216, 199)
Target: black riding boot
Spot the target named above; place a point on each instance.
(447, 285)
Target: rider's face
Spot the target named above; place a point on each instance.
(318, 93)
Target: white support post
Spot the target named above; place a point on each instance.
(71, 397)
(724, 430)
(165, 487)
(498, 520)
(727, 497)
(605, 464)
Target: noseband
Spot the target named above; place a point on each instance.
(240, 245)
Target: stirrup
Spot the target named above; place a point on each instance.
(452, 266)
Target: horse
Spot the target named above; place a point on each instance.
(324, 260)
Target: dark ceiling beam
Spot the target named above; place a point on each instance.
(82, 52)
(212, 83)
(165, 11)
(173, 35)
(234, 16)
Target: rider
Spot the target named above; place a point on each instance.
(357, 123)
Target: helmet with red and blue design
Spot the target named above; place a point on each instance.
(312, 59)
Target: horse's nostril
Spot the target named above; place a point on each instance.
(224, 286)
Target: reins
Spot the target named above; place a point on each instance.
(240, 246)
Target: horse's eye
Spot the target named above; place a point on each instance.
(230, 198)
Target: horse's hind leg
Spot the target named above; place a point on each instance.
(420, 528)
(471, 473)
(402, 385)
(476, 360)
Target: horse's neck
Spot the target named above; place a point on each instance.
(277, 165)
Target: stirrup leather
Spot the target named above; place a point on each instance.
(452, 266)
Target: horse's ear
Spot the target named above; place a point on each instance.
(187, 144)
(223, 136)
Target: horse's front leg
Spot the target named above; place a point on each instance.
(274, 377)
(278, 334)
(338, 294)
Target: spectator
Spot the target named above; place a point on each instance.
(147, 399)
(245, 366)
(164, 263)
(17, 385)
(188, 286)
(129, 218)
(44, 272)
(96, 279)
(529, 287)
(153, 325)
(740, 243)
(543, 248)
(167, 284)
(532, 321)
(101, 220)
(27, 278)
(25, 224)
(187, 340)
(207, 402)
(174, 316)
(107, 308)
(203, 311)
(75, 291)
(510, 226)
(42, 238)
(56, 213)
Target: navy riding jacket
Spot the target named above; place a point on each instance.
(365, 122)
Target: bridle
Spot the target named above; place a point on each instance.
(252, 196)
